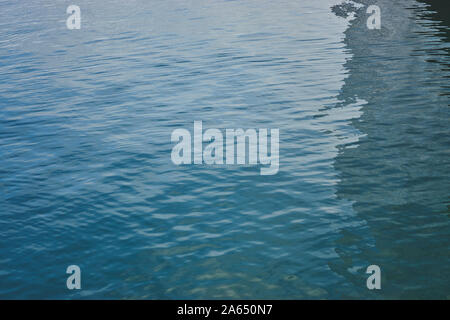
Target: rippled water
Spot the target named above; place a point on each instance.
(85, 170)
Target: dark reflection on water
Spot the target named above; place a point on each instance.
(397, 175)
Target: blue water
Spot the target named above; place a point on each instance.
(86, 176)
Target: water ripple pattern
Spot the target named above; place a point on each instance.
(86, 176)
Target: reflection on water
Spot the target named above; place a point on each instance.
(86, 176)
(397, 175)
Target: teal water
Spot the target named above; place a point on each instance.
(86, 176)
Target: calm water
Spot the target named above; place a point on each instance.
(86, 176)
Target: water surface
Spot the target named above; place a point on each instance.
(86, 176)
